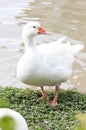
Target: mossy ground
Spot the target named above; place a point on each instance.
(38, 112)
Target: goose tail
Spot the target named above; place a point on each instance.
(77, 48)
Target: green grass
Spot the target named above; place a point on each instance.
(37, 111)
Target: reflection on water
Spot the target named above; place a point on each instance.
(61, 17)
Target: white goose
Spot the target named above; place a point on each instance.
(47, 64)
(19, 121)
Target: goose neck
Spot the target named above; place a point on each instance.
(28, 42)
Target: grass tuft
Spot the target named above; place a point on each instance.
(37, 111)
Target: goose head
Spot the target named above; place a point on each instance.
(32, 29)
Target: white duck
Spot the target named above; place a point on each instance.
(19, 121)
(47, 64)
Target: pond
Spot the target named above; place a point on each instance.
(62, 18)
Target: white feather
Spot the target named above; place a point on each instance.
(47, 64)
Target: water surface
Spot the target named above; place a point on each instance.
(59, 17)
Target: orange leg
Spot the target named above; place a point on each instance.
(54, 101)
(44, 94)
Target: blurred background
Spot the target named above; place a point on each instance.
(62, 18)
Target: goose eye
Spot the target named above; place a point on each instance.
(34, 26)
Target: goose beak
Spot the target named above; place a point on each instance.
(42, 31)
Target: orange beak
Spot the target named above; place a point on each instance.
(42, 31)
